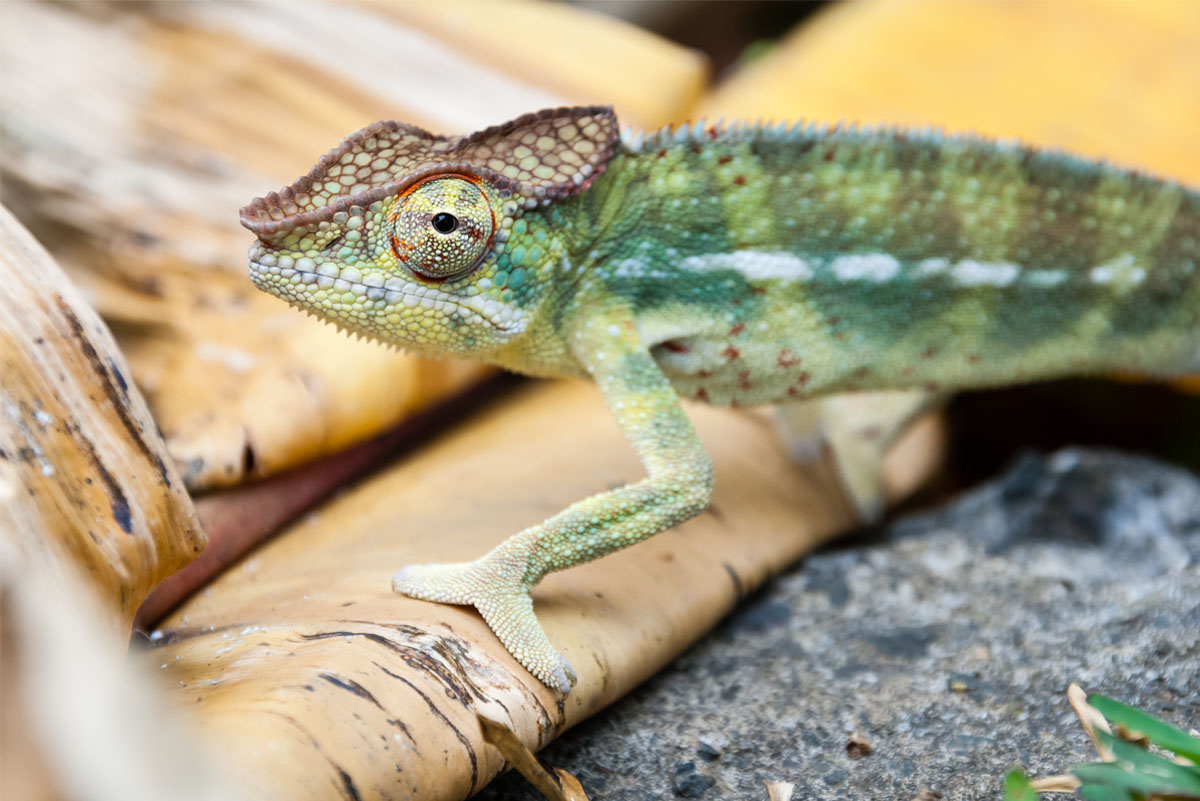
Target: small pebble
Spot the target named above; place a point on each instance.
(857, 746)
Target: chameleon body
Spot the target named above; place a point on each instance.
(740, 264)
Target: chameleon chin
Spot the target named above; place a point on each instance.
(736, 263)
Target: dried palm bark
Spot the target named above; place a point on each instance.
(84, 477)
(77, 721)
(92, 515)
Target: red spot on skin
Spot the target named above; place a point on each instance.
(662, 153)
(802, 379)
(713, 132)
(758, 290)
(696, 149)
(740, 180)
(725, 159)
(705, 373)
(973, 358)
(786, 358)
(829, 154)
(929, 352)
(731, 353)
(744, 379)
(702, 394)
(737, 329)
(793, 392)
(675, 347)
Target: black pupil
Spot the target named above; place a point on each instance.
(445, 223)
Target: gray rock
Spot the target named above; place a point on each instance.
(946, 644)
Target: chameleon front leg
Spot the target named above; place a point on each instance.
(678, 486)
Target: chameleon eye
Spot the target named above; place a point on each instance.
(442, 227)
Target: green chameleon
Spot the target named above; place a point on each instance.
(733, 264)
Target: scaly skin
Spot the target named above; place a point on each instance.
(735, 265)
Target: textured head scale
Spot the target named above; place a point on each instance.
(545, 155)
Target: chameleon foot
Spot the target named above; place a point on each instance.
(493, 587)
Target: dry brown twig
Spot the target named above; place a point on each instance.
(558, 785)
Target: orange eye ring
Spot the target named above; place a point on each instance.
(443, 226)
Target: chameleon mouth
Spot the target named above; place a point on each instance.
(289, 283)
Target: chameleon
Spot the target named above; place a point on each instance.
(819, 268)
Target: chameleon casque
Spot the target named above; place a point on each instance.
(734, 264)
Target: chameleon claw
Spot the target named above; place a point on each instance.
(562, 678)
(506, 606)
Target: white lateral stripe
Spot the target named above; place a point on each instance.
(754, 265)
(985, 273)
(1046, 278)
(878, 267)
(1122, 271)
(757, 265)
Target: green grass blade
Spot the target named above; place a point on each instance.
(1104, 792)
(1159, 732)
(1111, 775)
(1017, 787)
(1178, 779)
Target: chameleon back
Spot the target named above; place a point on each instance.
(771, 263)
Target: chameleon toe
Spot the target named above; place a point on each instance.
(448, 583)
(504, 604)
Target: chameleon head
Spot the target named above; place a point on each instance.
(407, 269)
(418, 240)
